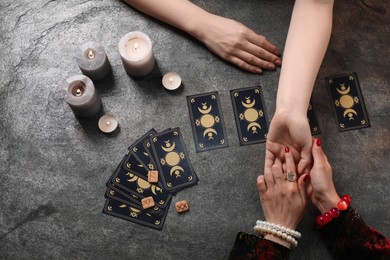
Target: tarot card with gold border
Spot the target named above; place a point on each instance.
(134, 214)
(139, 151)
(172, 160)
(207, 121)
(312, 118)
(249, 112)
(140, 187)
(348, 105)
(115, 193)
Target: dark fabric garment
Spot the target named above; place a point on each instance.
(347, 237)
(249, 246)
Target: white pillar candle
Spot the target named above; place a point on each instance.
(137, 55)
(81, 96)
(108, 123)
(171, 81)
(92, 60)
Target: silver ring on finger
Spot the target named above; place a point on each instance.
(291, 176)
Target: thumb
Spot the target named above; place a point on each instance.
(303, 182)
(305, 162)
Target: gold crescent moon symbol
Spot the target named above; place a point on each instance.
(133, 177)
(343, 92)
(248, 105)
(169, 149)
(153, 189)
(349, 110)
(209, 130)
(176, 168)
(253, 124)
(205, 111)
(135, 210)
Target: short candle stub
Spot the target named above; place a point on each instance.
(171, 81)
(90, 54)
(78, 89)
(108, 123)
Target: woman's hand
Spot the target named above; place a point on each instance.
(236, 43)
(293, 131)
(283, 201)
(321, 187)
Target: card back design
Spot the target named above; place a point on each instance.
(134, 214)
(116, 194)
(249, 112)
(348, 105)
(312, 118)
(139, 151)
(207, 122)
(140, 187)
(172, 160)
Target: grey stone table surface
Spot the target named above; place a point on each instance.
(53, 166)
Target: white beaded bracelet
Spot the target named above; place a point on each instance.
(264, 227)
(288, 231)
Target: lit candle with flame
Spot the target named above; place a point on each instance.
(81, 96)
(137, 55)
(108, 123)
(171, 81)
(92, 60)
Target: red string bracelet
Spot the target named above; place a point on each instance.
(327, 217)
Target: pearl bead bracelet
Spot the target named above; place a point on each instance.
(328, 216)
(289, 235)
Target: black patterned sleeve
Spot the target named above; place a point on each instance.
(349, 237)
(249, 246)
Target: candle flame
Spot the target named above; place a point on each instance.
(91, 55)
(171, 80)
(136, 46)
(108, 123)
(79, 92)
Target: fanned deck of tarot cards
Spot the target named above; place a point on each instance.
(141, 187)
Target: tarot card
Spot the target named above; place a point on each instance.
(121, 196)
(348, 105)
(313, 122)
(134, 184)
(139, 151)
(249, 112)
(207, 121)
(172, 160)
(134, 214)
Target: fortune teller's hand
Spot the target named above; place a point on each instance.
(236, 43)
(293, 131)
(321, 187)
(282, 195)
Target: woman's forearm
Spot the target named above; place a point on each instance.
(306, 44)
(182, 14)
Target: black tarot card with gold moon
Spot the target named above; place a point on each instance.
(135, 214)
(138, 150)
(140, 187)
(135, 166)
(172, 160)
(207, 121)
(249, 112)
(116, 194)
(312, 118)
(348, 105)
